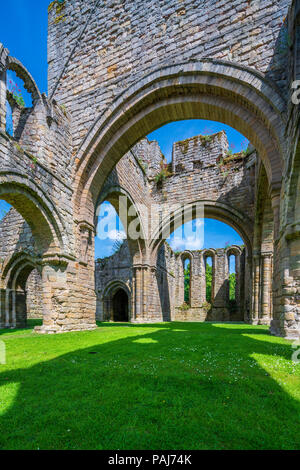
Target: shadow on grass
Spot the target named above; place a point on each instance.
(31, 324)
(179, 386)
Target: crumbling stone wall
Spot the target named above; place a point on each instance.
(117, 71)
(219, 308)
(116, 271)
(119, 43)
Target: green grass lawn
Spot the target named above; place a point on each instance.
(163, 386)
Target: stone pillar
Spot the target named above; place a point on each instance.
(2, 307)
(3, 56)
(146, 302)
(137, 294)
(238, 280)
(196, 281)
(266, 282)
(220, 286)
(202, 280)
(286, 303)
(69, 302)
(286, 275)
(19, 309)
(255, 289)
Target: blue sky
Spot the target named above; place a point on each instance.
(23, 30)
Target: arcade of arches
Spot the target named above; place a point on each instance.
(85, 144)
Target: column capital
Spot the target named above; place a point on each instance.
(56, 259)
(267, 254)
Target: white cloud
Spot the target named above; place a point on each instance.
(117, 235)
(187, 243)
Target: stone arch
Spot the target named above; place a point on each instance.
(15, 273)
(207, 89)
(108, 295)
(29, 84)
(36, 209)
(214, 210)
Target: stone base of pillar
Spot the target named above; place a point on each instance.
(277, 329)
(68, 328)
(253, 321)
(144, 320)
(264, 321)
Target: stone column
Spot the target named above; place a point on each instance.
(146, 302)
(286, 275)
(196, 281)
(255, 289)
(220, 286)
(137, 294)
(2, 307)
(266, 282)
(69, 302)
(3, 56)
(19, 308)
(238, 280)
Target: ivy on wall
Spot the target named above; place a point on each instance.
(60, 16)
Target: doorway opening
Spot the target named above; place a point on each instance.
(120, 306)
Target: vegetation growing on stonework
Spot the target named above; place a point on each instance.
(184, 306)
(19, 148)
(205, 139)
(33, 161)
(163, 174)
(143, 165)
(16, 93)
(206, 306)
(60, 16)
(184, 146)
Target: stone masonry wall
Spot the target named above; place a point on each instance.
(34, 299)
(96, 51)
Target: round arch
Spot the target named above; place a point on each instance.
(207, 89)
(212, 210)
(36, 209)
(108, 296)
(15, 265)
(29, 84)
(112, 194)
(13, 304)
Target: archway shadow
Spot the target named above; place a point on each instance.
(179, 386)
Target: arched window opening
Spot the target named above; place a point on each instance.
(9, 120)
(17, 100)
(187, 280)
(209, 278)
(110, 234)
(232, 277)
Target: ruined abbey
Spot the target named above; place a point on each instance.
(118, 70)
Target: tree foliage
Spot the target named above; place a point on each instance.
(232, 284)
(187, 283)
(208, 276)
